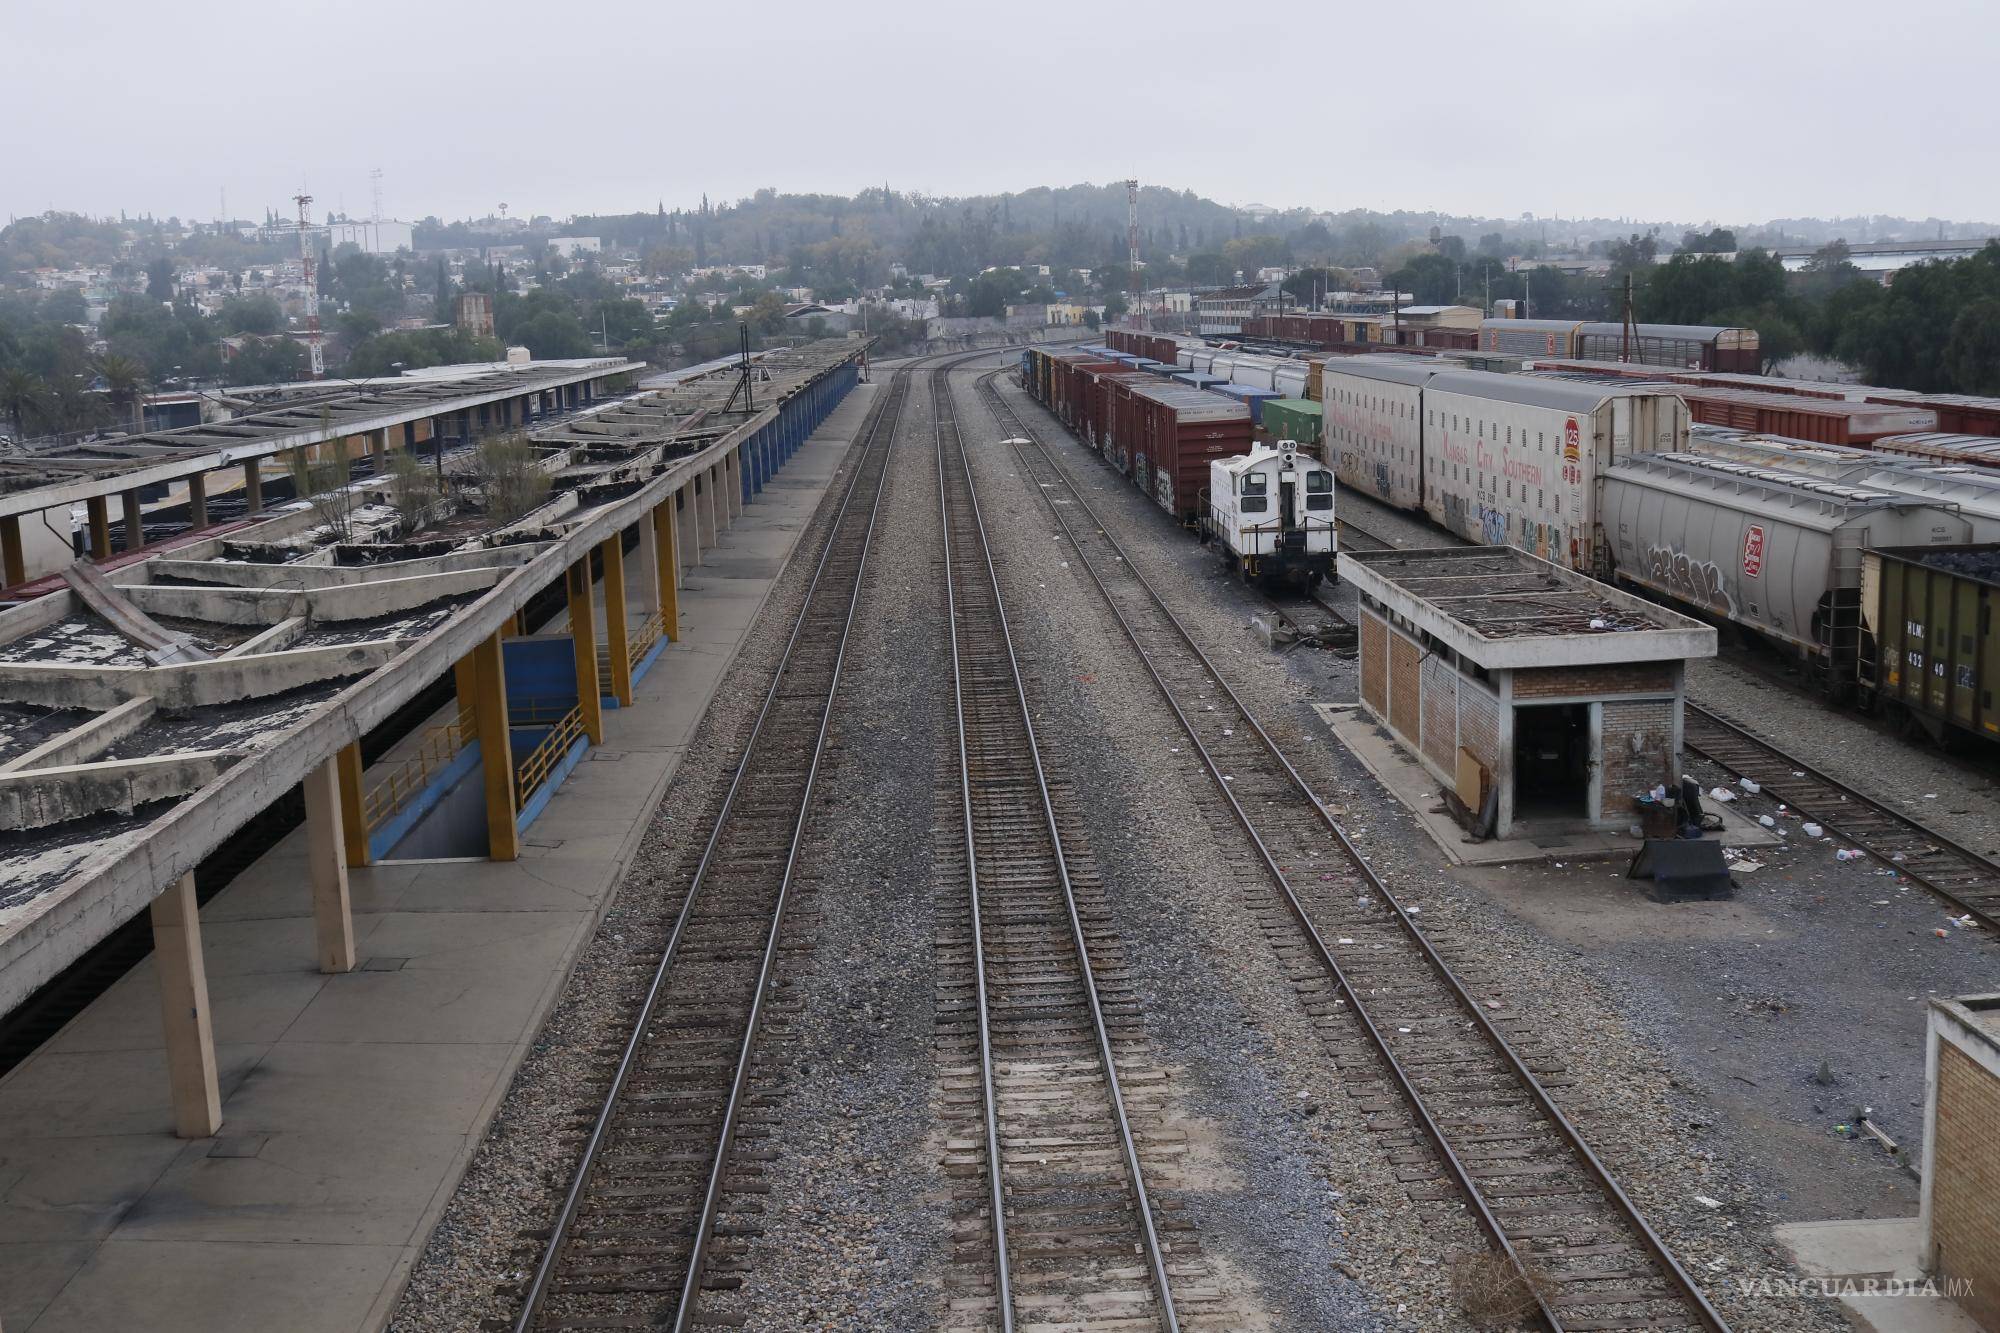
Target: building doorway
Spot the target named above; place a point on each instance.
(1552, 762)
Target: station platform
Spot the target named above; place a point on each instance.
(352, 1103)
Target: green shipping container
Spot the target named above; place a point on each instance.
(1292, 419)
(1930, 612)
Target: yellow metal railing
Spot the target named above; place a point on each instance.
(541, 761)
(649, 633)
(439, 746)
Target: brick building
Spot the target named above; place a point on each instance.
(1540, 697)
(1961, 1182)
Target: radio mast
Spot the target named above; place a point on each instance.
(1132, 250)
(313, 352)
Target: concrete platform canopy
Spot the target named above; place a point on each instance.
(1532, 693)
(352, 1098)
(368, 419)
(144, 719)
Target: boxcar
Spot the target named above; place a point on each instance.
(1373, 414)
(1172, 433)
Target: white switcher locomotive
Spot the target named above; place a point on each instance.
(1272, 512)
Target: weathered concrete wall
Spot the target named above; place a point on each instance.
(86, 740)
(350, 601)
(243, 575)
(220, 680)
(56, 795)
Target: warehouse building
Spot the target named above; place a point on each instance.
(1543, 700)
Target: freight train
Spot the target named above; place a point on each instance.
(1701, 347)
(1192, 451)
(1788, 539)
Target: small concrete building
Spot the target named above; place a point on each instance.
(1543, 699)
(1961, 1168)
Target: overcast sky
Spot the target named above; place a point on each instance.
(1685, 111)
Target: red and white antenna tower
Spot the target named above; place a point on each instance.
(316, 356)
(1132, 246)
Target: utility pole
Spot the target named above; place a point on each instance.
(1628, 334)
(1527, 296)
(315, 356)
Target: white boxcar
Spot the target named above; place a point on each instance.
(1289, 378)
(1777, 552)
(1372, 415)
(1513, 460)
(1272, 511)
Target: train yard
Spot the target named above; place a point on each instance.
(1024, 940)
(1095, 1097)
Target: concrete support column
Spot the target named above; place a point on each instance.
(733, 492)
(184, 1011)
(583, 635)
(704, 510)
(13, 561)
(353, 818)
(198, 500)
(483, 677)
(378, 451)
(100, 527)
(617, 630)
(135, 520)
(326, 866)
(253, 487)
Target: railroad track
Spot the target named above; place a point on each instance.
(1053, 1223)
(636, 1241)
(1466, 1107)
(1957, 874)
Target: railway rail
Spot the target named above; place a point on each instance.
(1952, 871)
(636, 1242)
(1584, 1257)
(1070, 1232)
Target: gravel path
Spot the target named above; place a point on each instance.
(1639, 1100)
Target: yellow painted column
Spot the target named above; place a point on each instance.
(667, 577)
(353, 817)
(13, 561)
(583, 633)
(326, 867)
(184, 1011)
(484, 673)
(617, 631)
(100, 527)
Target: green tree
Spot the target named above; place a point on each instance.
(1972, 353)
(160, 279)
(22, 398)
(124, 387)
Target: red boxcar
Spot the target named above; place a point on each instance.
(1172, 433)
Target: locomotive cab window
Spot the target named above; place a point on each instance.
(1255, 499)
(1319, 489)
